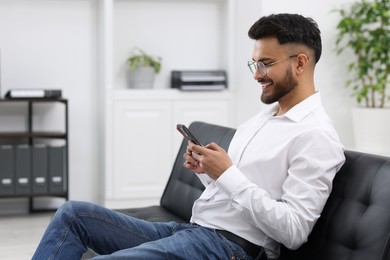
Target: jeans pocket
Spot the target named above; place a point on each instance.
(236, 252)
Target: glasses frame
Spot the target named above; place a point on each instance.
(258, 66)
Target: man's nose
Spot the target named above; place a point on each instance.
(257, 75)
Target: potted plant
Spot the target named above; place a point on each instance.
(364, 29)
(143, 68)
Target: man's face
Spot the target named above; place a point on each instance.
(279, 81)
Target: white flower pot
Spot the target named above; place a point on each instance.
(372, 130)
(142, 78)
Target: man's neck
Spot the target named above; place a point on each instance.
(292, 99)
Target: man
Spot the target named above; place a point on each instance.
(269, 189)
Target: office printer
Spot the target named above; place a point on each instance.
(199, 80)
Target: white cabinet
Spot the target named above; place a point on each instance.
(142, 141)
(211, 111)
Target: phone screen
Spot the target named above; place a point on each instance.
(187, 134)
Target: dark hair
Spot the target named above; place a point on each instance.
(289, 28)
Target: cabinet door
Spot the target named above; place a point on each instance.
(210, 111)
(142, 136)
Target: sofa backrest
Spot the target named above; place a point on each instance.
(355, 223)
(183, 186)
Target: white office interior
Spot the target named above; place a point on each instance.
(81, 47)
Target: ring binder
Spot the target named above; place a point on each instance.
(7, 170)
(22, 169)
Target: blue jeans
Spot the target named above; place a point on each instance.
(77, 226)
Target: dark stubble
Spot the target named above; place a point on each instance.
(280, 89)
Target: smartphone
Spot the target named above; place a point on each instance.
(187, 134)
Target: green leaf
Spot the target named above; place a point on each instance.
(140, 58)
(364, 28)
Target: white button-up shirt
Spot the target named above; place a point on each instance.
(282, 173)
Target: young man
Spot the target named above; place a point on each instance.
(269, 189)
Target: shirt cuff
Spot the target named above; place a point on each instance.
(232, 181)
(204, 178)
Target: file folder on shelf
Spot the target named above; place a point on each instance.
(6, 170)
(57, 159)
(23, 170)
(39, 169)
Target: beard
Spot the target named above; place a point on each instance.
(279, 89)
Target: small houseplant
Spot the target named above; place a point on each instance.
(364, 29)
(143, 68)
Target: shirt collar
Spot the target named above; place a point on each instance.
(300, 110)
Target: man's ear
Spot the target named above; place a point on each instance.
(302, 63)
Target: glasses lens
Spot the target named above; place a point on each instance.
(257, 66)
(261, 69)
(252, 66)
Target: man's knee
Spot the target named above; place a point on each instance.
(73, 208)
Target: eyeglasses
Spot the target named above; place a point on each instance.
(262, 68)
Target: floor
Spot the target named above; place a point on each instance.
(20, 234)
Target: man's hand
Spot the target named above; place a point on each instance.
(211, 159)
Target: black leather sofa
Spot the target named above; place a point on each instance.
(354, 225)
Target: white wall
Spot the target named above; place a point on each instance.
(193, 48)
(54, 44)
(331, 70)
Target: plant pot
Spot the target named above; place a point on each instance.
(142, 78)
(371, 128)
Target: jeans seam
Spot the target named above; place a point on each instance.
(115, 224)
(65, 233)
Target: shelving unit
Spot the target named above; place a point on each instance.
(171, 29)
(36, 166)
(188, 35)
